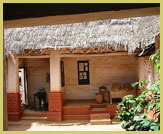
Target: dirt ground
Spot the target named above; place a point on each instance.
(25, 125)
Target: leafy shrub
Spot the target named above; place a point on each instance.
(132, 111)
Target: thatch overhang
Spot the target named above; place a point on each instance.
(131, 33)
(147, 51)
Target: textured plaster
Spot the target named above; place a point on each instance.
(103, 71)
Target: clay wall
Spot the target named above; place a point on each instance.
(104, 70)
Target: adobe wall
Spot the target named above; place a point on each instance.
(103, 71)
(37, 70)
(146, 70)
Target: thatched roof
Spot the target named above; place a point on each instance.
(130, 32)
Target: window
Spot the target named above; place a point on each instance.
(83, 72)
(62, 74)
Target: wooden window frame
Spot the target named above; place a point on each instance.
(83, 73)
(62, 74)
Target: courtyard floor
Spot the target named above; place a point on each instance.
(26, 125)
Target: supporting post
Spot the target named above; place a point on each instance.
(55, 97)
(13, 96)
(5, 112)
(145, 72)
(157, 43)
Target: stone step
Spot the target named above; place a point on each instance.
(34, 115)
(101, 122)
(80, 110)
(98, 105)
(33, 118)
(76, 117)
(100, 116)
(99, 110)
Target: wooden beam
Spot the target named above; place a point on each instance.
(77, 51)
(65, 50)
(120, 48)
(36, 52)
(92, 50)
(25, 52)
(103, 50)
(85, 17)
(29, 56)
(30, 51)
(157, 43)
(44, 51)
(110, 49)
(99, 54)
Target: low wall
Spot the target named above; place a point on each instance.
(103, 71)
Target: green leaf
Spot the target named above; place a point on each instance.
(131, 128)
(138, 108)
(155, 128)
(151, 106)
(152, 56)
(157, 66)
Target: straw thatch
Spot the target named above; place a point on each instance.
(130, 32)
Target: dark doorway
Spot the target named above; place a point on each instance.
(23, 85)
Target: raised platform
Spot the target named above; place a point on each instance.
(82, 109)
(78, 110)
(77, 103)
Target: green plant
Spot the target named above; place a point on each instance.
(132, 111)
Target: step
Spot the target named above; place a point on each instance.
(99, 110)
(98, 105)
(81, 110)
(100, 116)
(116, 121)
(76, 117)
(34, 115)
(112, 109)
(33, 118)
(101, 122)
